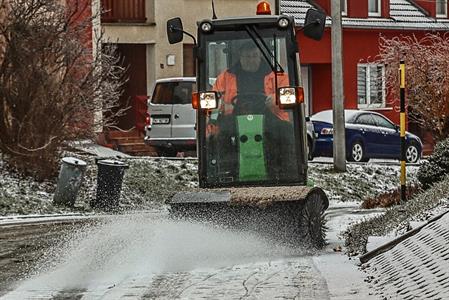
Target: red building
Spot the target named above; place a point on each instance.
(363, 22)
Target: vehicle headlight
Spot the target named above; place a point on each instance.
(287, 96)
(283, 22)
(208, 100)
(327, 131)
(206, 27)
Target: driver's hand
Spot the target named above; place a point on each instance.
(269, 101)
(211, 129)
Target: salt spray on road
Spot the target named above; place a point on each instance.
(99, 258)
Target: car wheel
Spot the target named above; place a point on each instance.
(357, 153)
(412, 153)
(309, 150)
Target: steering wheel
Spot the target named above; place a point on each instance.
(249, 103)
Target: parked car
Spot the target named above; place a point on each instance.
(368, 135)
(172, 119)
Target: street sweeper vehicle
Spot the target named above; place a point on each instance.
(251, 128)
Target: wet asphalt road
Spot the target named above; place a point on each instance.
(194, 262)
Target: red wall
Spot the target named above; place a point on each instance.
(81, 12)
(428, 6)
(321, 87)
(357, 8)
(359, 46)
(314, 52)
(385, 9)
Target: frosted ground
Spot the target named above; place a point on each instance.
(150, 181)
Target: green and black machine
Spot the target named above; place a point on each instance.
(251, 135)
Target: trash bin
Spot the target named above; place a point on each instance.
(109, 184)
(69, 181)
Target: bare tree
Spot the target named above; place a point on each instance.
(427, 78)
(51, 82)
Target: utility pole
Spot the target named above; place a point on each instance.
(277, 8)
(337, 89)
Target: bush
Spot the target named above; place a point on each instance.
(436, 167)
(390, 198)
(53, 86)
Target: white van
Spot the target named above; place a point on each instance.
(172, 119)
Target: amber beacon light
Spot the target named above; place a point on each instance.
(263, 8)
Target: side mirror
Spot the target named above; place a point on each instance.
(307, 119)
(175, 32)
(314, 24)
(397, 127)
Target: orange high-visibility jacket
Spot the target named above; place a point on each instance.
(226, 84)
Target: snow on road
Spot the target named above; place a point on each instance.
(147, 256)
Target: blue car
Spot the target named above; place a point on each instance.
(368, 135)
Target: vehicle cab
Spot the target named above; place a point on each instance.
(249, 133)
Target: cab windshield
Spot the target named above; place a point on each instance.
(249, 138)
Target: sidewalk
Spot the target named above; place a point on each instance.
(97, 150)
(417, 268)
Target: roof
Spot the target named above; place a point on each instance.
(403, 15)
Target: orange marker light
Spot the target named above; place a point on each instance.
(263, 8)
(195, 100)
(299, 94)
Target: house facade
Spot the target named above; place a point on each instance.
(363, 21)
(138, 27)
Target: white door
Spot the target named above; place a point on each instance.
(183, 115)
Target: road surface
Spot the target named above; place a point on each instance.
(147, 256)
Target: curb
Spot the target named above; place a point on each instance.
(388, 246)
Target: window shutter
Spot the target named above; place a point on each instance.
(361, 84)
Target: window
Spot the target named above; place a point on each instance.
(173, 92)
(441, 8)
(374, 8)
(344, 7)
(371, 85)
(382, 122)
(366, 119)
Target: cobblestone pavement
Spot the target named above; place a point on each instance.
(284, 276)
(148, 257)
(294, 278)
(417, 268)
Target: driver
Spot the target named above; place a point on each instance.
(249, 76)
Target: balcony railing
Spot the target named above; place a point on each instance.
(123, 11)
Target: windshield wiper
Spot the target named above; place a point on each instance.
(259, 41)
